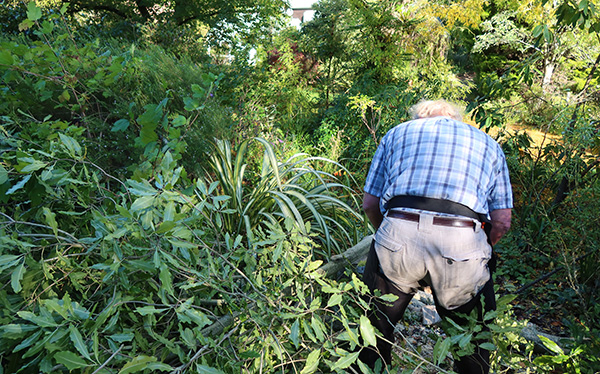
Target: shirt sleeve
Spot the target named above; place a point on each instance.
(377, 173)
(501, 195)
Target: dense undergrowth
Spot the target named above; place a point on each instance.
(163, 213)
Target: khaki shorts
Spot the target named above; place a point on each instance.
(452, 260)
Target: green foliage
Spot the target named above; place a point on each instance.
(131, 240)
(500, 333)
(293, 190)
(148, 277)
(60, 77)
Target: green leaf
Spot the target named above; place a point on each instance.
(169, 213)
(159, 366)
(191, 104)
(295, 333)
(367, 331)
(166, 280)
(178, 121)
(142, 203)
(487, 345)
(78, 342)
(19, 185)
(182, 244)
(149, 310)
(548, 36)
(33, 12)
(141, 188)
(551, 345)
(314, 265)
(203, 369)
(15, 331)
(120, 125)
(335, 299)
(38, 320)
(32, 164)
(29, 341)
(6, 58)
(148, 122)
(120, 338)
(317, 328)
(390, 298)
(466, 339)
(312, 362)
(441, 349)
(17, 276)
(51, 220)
(537, 31)
(47, 27)
(70, 360)
(7, 261)
(197, 317)
(72, 146)
(346, 361)
(137, 364)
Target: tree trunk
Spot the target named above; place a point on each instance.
(549, 68)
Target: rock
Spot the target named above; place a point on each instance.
(532, 333)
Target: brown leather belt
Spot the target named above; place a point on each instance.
(441, 221)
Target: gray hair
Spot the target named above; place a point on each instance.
(434, 108)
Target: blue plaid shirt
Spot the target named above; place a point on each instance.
(444, 159)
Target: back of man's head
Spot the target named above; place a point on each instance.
(435, 108)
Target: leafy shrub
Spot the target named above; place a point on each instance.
(293, 190)
(143, 273)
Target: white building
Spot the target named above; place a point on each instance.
(301, 11)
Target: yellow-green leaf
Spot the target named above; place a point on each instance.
(312, 362)
(346, 361)
(335, 299)
(137, 364)
(367, 331)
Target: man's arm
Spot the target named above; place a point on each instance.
(371, 208)
(500, 223)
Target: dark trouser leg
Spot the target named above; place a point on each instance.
(479, 362)
(384, 316)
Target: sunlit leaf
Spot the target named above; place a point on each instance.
(33, 11)
(312, 362)
(346, 361)
(367, 331)
(335, 299)
(141, 363)
(551, 345)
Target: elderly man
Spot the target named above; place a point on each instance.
(439, 195)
